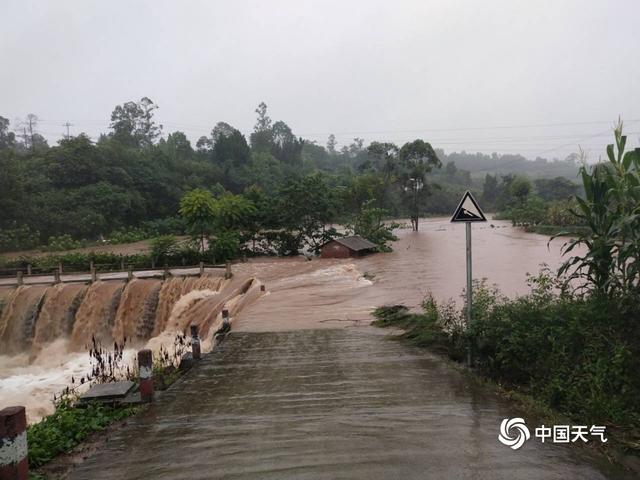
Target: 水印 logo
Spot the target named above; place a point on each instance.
(513, 432)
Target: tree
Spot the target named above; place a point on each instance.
(369, 224)
(7, 138)
(286, 147)
(262, 136)
(132, 124)
(383, 159)
(331, 144)
(198, 208)
(306, 205)
(451, 169)
(229, 145)
(558, 188)
(177, 146)
(418, 158)
(31, 139)
(490, 190)
(520, 189)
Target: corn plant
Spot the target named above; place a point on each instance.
(611, 209)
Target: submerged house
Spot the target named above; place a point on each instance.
(345, 247)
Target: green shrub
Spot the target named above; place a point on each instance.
(162, 248)
(64, 242)
(67, 427)
(18, 238)
(224, 246)
(165, 226)
(130, 235)
(577, 354)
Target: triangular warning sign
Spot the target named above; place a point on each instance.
(468, 210)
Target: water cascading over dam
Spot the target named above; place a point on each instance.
(31, 317)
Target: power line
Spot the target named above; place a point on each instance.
(67, 124)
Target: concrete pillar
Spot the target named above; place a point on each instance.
(145, 369)
(56, 276)
(29, 269)
(14, 464)
(228, 273)
(19, 279)
(130, 273)
(201, 268)
(195, 342)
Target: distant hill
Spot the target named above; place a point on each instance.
(479, 164)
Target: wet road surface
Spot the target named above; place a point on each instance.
(326, 404)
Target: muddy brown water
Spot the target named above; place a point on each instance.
(327, 404)
(327, 293)
(304, 388)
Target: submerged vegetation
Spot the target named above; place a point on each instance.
(573, 343)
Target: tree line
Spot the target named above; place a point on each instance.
(128, 183)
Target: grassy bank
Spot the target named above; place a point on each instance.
(576, 357)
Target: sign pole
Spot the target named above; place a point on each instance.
(469, 275)
(469, 287)
(468, 211)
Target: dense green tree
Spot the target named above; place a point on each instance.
(286, 147)
(490, 190)
(262, 136)
(558, 188)
(450, 168)
(132, 123)
(7, 137)
(177, 146)
(418, 158)
(229, 145)
(198, 208)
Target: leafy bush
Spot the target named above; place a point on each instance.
(530, 212)
(130, 235)
(18, 238)
(165, 226)
(162, 248)
(369, 224)
(225, 245)
(67, 427)
(578, 355)
(64, 242)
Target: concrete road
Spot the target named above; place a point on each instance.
(328, 404)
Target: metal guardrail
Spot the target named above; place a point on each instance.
(93, 274)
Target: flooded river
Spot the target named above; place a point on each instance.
(300, 294)
(304, 387)
(326, 293)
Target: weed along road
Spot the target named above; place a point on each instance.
(331, 403)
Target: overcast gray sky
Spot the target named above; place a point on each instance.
(535, 77)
